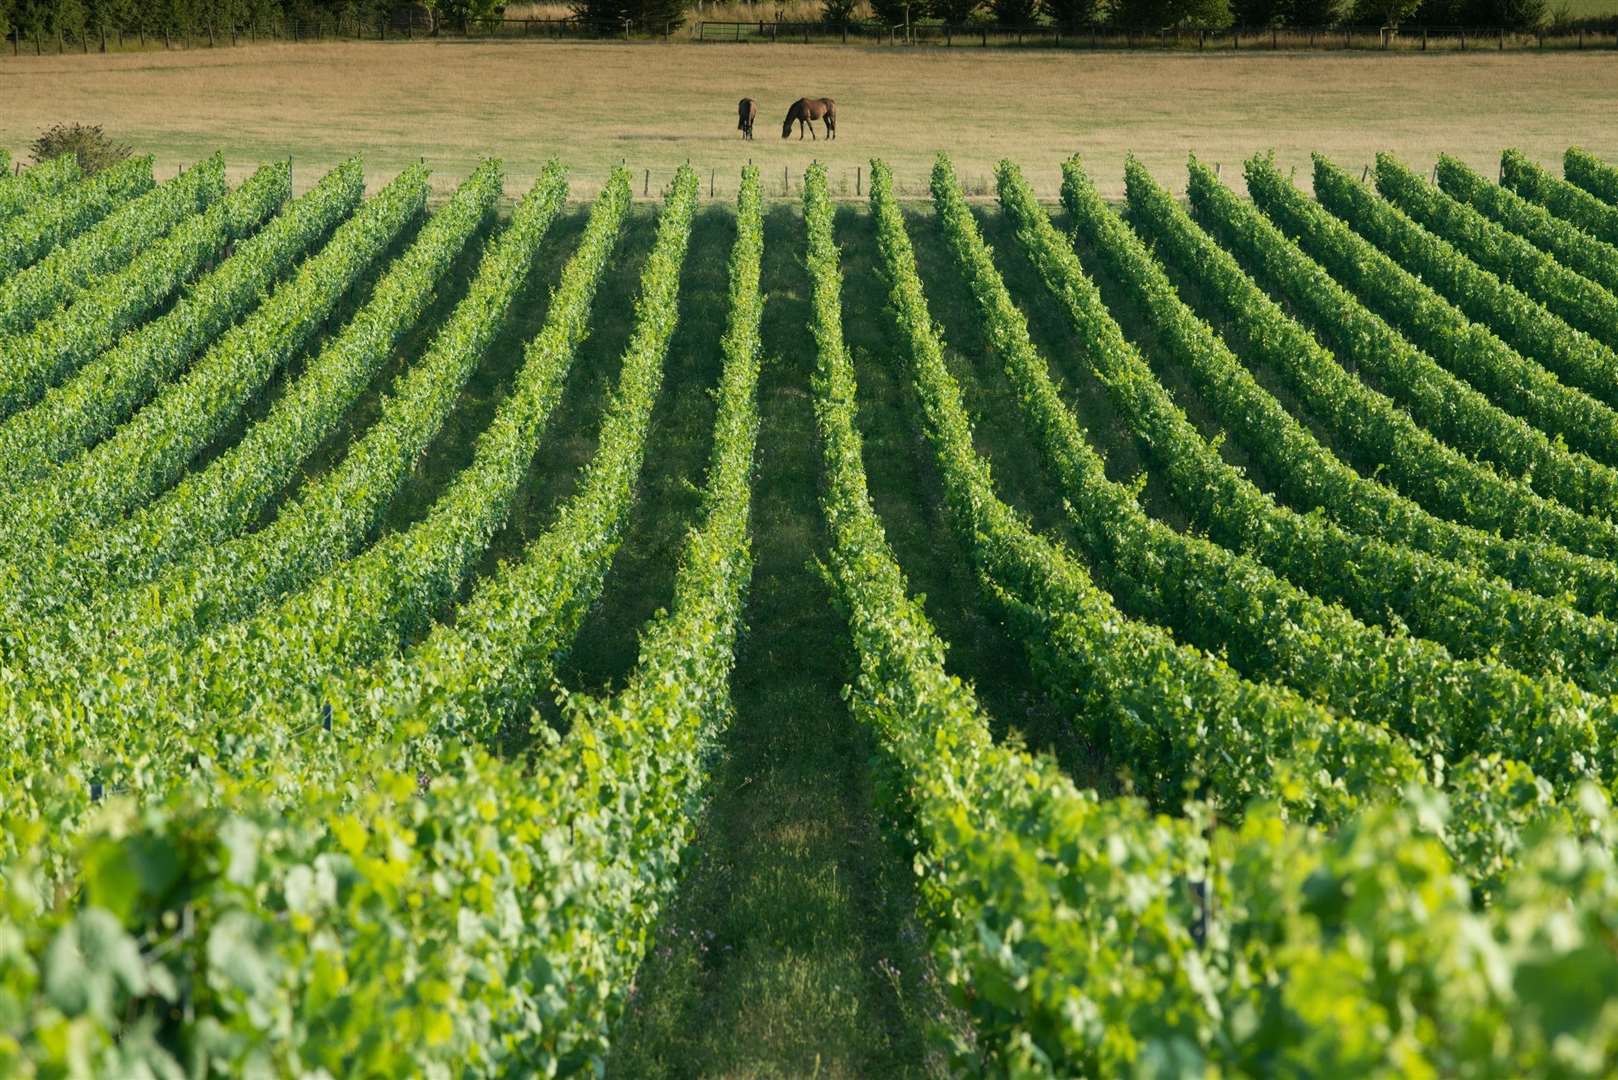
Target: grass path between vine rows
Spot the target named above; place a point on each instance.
(791, 949)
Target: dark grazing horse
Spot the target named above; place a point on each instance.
(746, 113)
(806, 111)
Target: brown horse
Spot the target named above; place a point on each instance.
(806, 111)
(746, 113)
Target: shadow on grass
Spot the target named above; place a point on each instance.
(791, 949)
(907, 491)
(669, 493)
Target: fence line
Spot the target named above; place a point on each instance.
(341, 28)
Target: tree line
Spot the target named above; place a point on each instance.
(74, 18)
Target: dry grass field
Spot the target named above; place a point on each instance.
(655, 105)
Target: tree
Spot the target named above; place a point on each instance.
(1312, 13)
(1164, 14)
(894, 12)
(457, 12)
(1517, 14)
(609, 16)
(1259, 12)
(1073, 14)
(954, 12)
(1389, 13)
(838, 12)
(1014, 12)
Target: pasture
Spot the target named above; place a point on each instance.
(655, 106)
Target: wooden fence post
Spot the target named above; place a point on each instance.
(786, 181)
(646, 186)
(857, 190)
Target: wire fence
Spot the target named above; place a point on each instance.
(105, 38)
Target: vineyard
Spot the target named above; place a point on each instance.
(438, 636)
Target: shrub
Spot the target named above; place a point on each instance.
(87, 142)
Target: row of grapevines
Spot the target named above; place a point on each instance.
(52, 222)
(184, 595)
(1377, 432)
(104, 392)
(1029, 886)
(43, 181)
(1388, 300)
(1571, 246)
(69, 271)
(394, 590)
(479, 675)
(1508, 267)
(1592, 174)
(121, 667)
(1180, 721)
(77, 335)
(1381, 582)
(363, 608)
(1527, 381)
(144, 456)
(1567, 201)
(228, 495)
(376, 586)
(521, 896)
(1309, 475)
(1268, 627)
